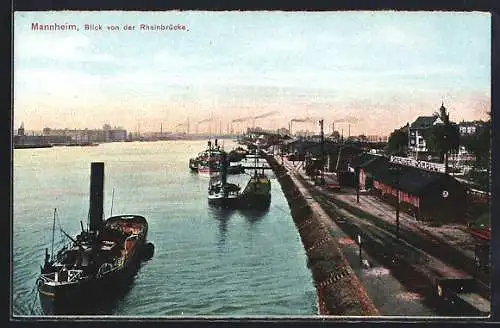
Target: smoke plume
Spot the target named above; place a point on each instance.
(205, 120)
(266, 114)
(347, 119)
(242, 119)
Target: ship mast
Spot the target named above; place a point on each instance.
(112, 200)
(53, 229)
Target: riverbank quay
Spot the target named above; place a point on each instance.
(427, 254)
(339, 290)
(450, 243)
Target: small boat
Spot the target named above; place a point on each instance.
(209, 167)
(212, 167)
(257, 192)
(220, 192)
(223, 194)
(100, 259)
(206, 162)
(193, 164)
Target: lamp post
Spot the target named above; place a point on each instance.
(397, 206)
(397, 171)
(322, 153)
(356, 170)
(281, 150)
(477, 261)
(359, 243)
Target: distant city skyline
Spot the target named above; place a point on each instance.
(376, 70)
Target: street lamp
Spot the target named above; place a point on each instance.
(397, 171)
(322, 161)
(359, 243)
(281, 154)
(356, 174)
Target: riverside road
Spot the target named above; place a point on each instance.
(418, 258)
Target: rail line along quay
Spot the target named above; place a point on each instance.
(363, 265)
(339, 290)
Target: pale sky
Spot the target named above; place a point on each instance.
(382, 69)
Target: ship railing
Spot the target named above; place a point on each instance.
(105, 268)
(74, 275)
(48, 277)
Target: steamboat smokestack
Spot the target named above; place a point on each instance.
(224, 168)
(96, 195)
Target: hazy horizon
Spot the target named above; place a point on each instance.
(376, 70)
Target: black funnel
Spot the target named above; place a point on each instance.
(96, 195)
(224, 164)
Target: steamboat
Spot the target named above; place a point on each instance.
(99, 260)
(220, 192)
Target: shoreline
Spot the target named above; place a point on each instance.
(338, 288)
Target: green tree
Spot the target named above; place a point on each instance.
(397, 142)
(441, 139)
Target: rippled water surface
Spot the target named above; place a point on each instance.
(207, 262)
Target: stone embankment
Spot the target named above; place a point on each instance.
(339, 290)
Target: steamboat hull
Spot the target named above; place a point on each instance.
(255, 201)
(86, 294)
(208, 172)
(226, 202)
(82, 295)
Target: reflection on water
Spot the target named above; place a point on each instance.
(208, 261)
(254, 215)
(222, 215)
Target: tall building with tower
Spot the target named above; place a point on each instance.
(20, 131)
(417, 147)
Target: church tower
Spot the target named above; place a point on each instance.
(20, 131)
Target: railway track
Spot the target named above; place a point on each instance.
(415, 250)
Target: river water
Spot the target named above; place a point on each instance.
(206, 263)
